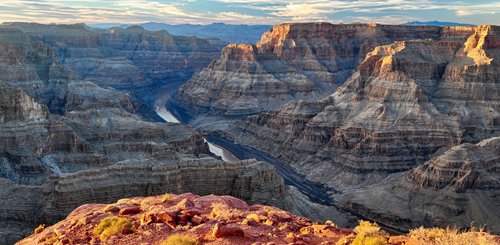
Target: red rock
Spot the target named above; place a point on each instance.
(127, 231)
(196, 220)
(185, 204)
(159, 222)
(130, 210)
(227, 230)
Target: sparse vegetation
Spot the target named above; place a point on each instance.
(223, 212)
(450, 236)
(179, 239)
(166, 198)
(40, 228)
(253, 217)
(112, 225)
(367, 233)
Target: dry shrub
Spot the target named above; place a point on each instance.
(39, 229)
(450, 236)
(222, 211)
(179, 239)
(110, 226)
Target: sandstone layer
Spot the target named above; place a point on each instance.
(460, 187)
(191, 219)
(406, 102)
(291, 61)
(98, 130)
(24, 207)
(39, 58)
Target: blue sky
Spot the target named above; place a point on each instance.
(249, 11)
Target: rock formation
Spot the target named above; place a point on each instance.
(406, 102)
(191, 219)
(40, 58)
(459, 187)
(292, 61)
(96, 131)
(27, 206)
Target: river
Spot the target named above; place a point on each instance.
(161, 110)
(230, 151)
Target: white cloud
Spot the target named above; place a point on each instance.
(262, 11)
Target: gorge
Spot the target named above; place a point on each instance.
(389, 123)
(374, 105)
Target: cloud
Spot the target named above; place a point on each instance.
(243, 11)
(478, 9)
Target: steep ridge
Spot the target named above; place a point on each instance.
(193, 219)
(407, 103)
(459, 187)
(292, 61)
(398, 109)
(97, 131)
(39, 58)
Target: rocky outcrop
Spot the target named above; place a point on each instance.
(51, 202)
(461, 187)
(292, 61)
(193, 219)
(406, 102)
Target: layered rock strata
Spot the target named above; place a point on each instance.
(461, 187)
(292, 61)
(41, 58)
(406, 102)
(97, 131)
(51, 202)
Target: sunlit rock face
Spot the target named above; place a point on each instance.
(59, 195)
(407, 103)
(191, 219)
(291, 61)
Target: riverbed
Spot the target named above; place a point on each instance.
(166, 115)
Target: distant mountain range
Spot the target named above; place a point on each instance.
(225, 32)
(434, 23)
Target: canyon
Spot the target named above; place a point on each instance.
(78, 125)
(404, 98)
(395, 124)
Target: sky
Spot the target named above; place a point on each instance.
(267, 12)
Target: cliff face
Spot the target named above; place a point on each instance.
(39, 58)
(458, 187)
(51, 202)
(98, 130)
(405, 101)
(193, 219)
(292, 61)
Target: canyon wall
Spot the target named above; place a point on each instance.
(407, 103)
(41, 58)
(405, 95)
(303, 61)
(25, 207)
(460, 187)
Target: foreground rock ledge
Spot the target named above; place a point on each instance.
(192, 219)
